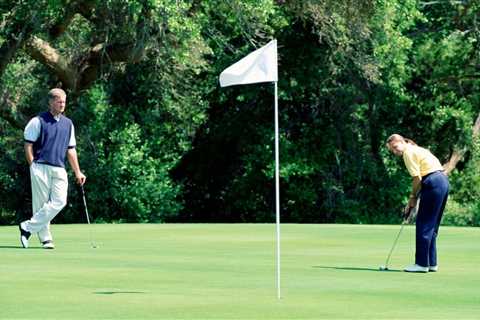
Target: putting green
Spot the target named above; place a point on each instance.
(227, 271)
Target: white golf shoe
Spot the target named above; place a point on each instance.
(24, 235)
(48, 244)
(433, 268)
(416, 268)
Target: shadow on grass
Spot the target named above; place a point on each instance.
(357, 269)
(19, 247)
(118, 292)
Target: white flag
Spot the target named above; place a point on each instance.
(258, 66)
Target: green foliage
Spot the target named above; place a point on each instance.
(140, 184)
(345, 85)
(133, 125)
(129, 180)
(160, 141)
(457, 214)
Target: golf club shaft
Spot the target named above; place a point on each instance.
(88, 217)
(394, 244)
(404, 222)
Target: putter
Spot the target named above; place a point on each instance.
(88, 219)
(411, 213)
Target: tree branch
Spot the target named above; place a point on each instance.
(431, 3)
(83, 7)
(12, 43)
(465, 77)
(81, 72)
(42, 52)
(457, 154)
(103, 53)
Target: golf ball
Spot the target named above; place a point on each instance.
(382, 268)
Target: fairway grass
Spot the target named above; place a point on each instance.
(227, 271)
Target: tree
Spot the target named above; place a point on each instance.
(91, 49)
(162, 142)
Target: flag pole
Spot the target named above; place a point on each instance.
(277, 189)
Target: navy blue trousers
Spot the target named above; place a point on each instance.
(433, 198)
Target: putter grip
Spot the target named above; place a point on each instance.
(411, 212)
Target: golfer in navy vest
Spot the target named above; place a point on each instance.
(428, 181)
(49, 139)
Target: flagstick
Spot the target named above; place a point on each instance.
(277, 189)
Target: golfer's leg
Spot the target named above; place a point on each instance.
(56, 202)
(44, 234)
(432, 251)
(40, 182)
(424, 228)
(58, 198)
(443, 196)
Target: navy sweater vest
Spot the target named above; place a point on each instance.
(52, 144)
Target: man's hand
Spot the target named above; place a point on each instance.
(406, 212)
(80, 178)
(409, 208)
(412, 202)
(72, 158)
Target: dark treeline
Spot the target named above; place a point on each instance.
(160, 141)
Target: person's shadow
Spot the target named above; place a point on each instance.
(19, 247)
(356, 269)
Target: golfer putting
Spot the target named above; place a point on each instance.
(428, 180)
(49, 139)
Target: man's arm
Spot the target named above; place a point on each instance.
(28, 152)
(73, 160)
(416, 186)
(412, 200)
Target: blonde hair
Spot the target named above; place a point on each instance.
(56, 93)
(397, 137)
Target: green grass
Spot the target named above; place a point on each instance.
(218, 271)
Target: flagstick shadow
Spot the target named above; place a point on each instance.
(117, 292)
(356, 269)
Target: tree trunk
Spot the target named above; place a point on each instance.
(12, 44)
(457, 154)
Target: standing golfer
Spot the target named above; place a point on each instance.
(431, 183)
(49, 137)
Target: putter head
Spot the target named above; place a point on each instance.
(383, 268)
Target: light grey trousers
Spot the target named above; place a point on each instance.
(49, 197)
